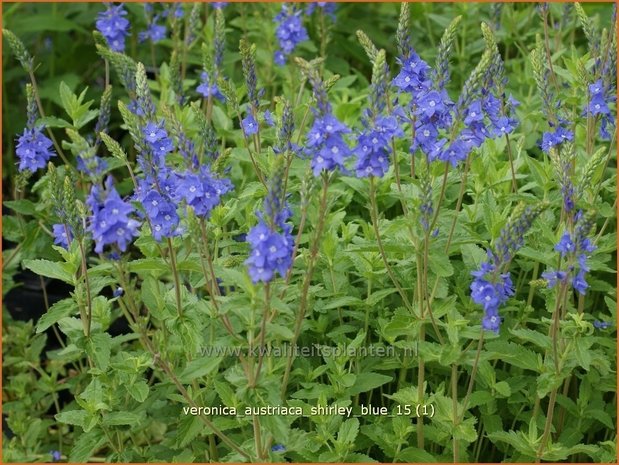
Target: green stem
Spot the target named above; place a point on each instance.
(322, 213)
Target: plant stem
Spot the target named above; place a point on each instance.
(379, 242)
(454, 407)
(322, 213)
(177, 284)
(265, 316)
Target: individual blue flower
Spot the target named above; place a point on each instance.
(278, 448)
(62, 235)
(56, 455)
(268, 118)
(219, 5)
(111, 222)
(207, 88)
(565, 245)
(290, 30)
(554, 277)
(579, 282)
(154, 32)
(250, 125)
(33, 149)
(114, 26)
(118, 292)
(279, 58)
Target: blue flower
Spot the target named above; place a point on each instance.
(33, 149)
(156, 137)
(456, 152)
(413, 75)
(373, 147)
(62, 235)
(271, 253)
(601, 324)
(162, 215)
(207, 88)
(279, 57)
(557, 137)
(155, 32)
(290, 30)
(268, 118)
(201, 191)
(219, 5)
(278, 448)
(325, 143)
(491, 321)
(491, 289)
(114, 26)
(110, 222)
(554, 277)
(565, 245)
(118, 292)
(56, 455)
(579, 282)
(250, 125)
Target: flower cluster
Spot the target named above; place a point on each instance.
(599, 98)
(158, 141)
(110, 222)
(491, 289)
(555, 138)
(327, 8)
(373, 147)
(202, 191)
(114, 26)
(33, 149)
(574, 249)
(325, 141)
(290, 31)
(271, 250)
(160, 210)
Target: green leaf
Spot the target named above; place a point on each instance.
(514, 354)
(199, 368)
(440, 265)
(348, 431)
(415, 455)
(100, 345)
(56, 312)
(121, 418)
(85, 446)
(368, 381)
(503, 389)
(55, 270)
(344, 301)
(23, 206)
(72, 417)
(54, 122)
(138, 390)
